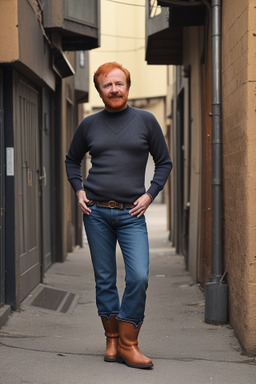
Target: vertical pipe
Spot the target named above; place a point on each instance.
(216, 270)
(215, 291)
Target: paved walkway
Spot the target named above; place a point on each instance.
(65, 344)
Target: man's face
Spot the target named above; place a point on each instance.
(113, 90)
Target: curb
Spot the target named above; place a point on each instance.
(4, 314)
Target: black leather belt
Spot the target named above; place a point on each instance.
(114, 204)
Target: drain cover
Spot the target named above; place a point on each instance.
(52, 299)
(49, 298)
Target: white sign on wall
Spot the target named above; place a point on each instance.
(9, 161)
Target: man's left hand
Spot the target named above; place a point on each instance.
(141, 205)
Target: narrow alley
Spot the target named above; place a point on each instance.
(57, 337)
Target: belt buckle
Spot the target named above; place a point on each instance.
(112, 204)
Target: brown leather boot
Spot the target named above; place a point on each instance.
(127, 350)
(111, 331)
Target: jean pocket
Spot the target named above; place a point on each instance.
(90, 203)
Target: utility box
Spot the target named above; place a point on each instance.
(216, 303)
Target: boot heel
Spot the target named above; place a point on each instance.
(119, 359)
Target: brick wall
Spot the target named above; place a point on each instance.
(239, 164)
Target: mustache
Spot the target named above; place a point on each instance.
(115, 95)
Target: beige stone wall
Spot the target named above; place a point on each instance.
(239, 164)
(251, 132)
(9, 31)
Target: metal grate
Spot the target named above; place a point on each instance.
(49, 298)
(53, 299)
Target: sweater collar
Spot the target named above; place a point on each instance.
(116, 114)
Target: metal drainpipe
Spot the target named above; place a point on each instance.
(216, 293)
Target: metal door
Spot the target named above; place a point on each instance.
(2, 200)
(27, 188)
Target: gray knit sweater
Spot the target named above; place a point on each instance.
(119, 144)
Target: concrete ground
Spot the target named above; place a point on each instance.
(65, 345)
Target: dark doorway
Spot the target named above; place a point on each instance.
(183, 169)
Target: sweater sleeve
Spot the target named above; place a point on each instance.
(160, 153)
(74, 157)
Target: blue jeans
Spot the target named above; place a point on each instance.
(104, 227)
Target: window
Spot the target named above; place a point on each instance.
(84, 11)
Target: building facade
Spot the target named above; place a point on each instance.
(181, 34)
(44, 71)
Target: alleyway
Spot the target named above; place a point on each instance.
(65, 344)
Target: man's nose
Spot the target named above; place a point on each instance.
(114, 88)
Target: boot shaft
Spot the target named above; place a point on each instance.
(110, 326)
(129, 334)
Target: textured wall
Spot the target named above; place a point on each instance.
(9, 31)
(239, 160)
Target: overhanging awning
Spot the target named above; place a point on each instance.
(164, 42)
(167, 3)
(165, 47)
(61, 65)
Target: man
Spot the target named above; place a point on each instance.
(113, 200)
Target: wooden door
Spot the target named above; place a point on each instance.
(46, 181)
(27, 188)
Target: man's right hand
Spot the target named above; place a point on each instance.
(82, 200)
